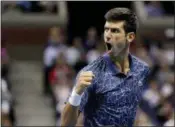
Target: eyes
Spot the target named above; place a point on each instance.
(112, 30)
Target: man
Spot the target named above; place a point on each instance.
(91, 39)
(54, 46)
(108, 90)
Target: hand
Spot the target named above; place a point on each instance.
(83, 81)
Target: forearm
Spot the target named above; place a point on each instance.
(69, 115)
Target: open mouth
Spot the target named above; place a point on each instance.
(109, 46)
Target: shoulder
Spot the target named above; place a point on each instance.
(49, 50)
(141, 65)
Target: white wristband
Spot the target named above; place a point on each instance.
(75, 99)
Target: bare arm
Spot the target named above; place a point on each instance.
(80, 120)
(70, 115)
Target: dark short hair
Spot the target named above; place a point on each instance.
(123, 14)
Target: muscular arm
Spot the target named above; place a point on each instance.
(80, 120)
(70, 115)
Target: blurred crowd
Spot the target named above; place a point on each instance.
(30, 6)
(158, 8)
(7, 100)
(158, 97)
(62, 61)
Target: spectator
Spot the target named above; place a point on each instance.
(54, 47)
(55, 36)
(30, 6)
(77, 41)
(5, 62)
(155, 53)
(142, 119)
(166, 114)
(5, 91)
(166, 90)
(91, 40)
(154, 9)
(74, 51)
(169, 55)
(61, 78)
(164, 73)
(6, 104)
(61, 73)
(152, 92)
(142, 53)
(170, 122)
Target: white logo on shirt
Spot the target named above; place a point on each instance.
(140, 83)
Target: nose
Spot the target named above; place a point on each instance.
(108, 36)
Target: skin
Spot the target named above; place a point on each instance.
(114, 34)
(55, 34)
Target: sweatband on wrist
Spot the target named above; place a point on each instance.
(75, 99)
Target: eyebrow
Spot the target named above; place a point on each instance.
(111, 27)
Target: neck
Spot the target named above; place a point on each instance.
(121, 60)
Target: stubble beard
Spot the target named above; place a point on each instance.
(119, 50)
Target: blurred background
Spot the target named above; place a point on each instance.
(44, 44)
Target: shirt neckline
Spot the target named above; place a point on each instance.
(113, 68)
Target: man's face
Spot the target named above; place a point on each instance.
(55, 34)
(115, 37)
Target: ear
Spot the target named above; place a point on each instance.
(130, 37)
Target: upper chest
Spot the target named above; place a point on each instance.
(111, 87)
(107, 82)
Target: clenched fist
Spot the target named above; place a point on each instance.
(83, 81)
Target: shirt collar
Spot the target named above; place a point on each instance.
(113, 68)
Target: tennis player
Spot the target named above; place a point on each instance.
(107, 91)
